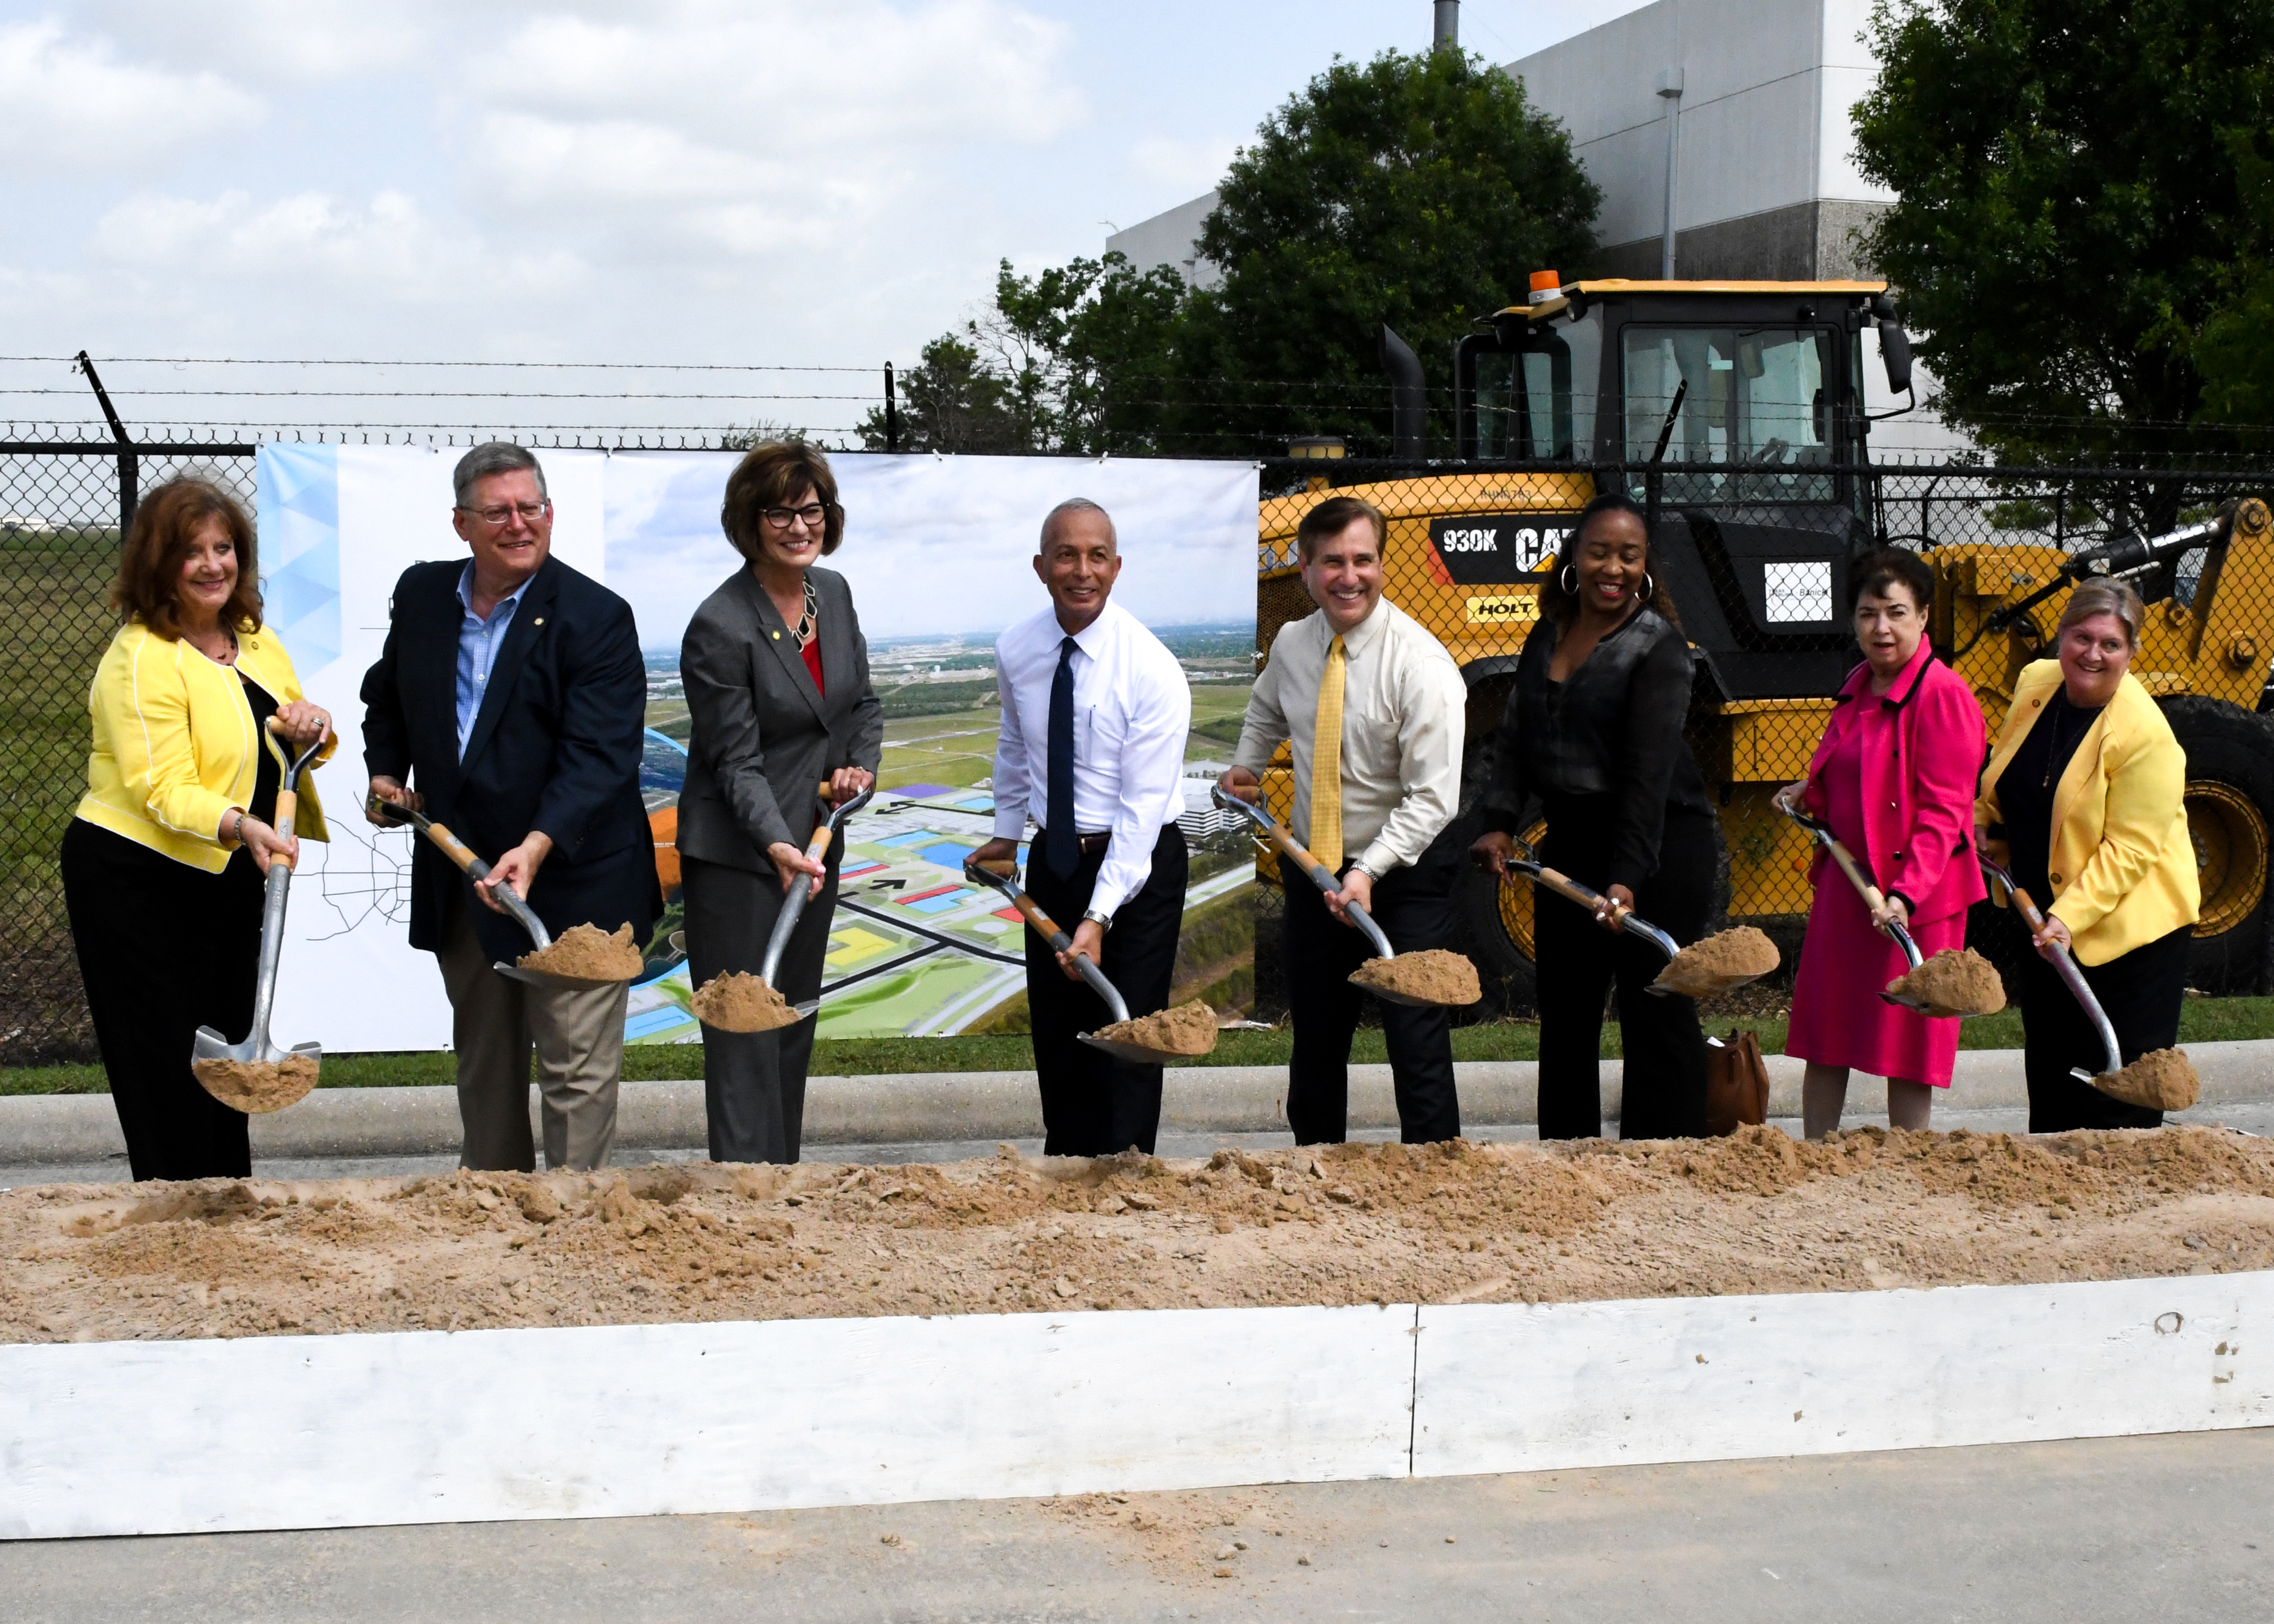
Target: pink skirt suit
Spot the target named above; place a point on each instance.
(1895, 777)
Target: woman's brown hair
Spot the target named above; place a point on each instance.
(775, 475)
(148, 587)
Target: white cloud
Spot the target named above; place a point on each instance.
(70, 104)
(315, 240)
(285, 41)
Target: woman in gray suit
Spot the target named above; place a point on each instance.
(776, 679)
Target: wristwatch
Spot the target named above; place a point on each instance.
(1104, 922)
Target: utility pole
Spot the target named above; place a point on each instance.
(1446, 33)
(891, 412)
(1670, 91)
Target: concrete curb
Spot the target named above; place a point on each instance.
(913, 1108)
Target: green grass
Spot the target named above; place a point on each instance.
(2201, 1020)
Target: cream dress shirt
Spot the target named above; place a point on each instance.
(1404, 720)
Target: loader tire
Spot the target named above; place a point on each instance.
(2230, 806)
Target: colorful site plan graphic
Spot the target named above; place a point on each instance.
(914, 949)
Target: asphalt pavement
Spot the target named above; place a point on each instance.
(2094, 1531)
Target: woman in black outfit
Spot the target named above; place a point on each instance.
(1593, 728)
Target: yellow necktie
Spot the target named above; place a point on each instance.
(1327, 762)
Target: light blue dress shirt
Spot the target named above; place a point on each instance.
(477, 646)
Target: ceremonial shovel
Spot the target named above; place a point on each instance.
(1323, 878)
(459, 853)
(2064, 966)
(1621, 916)
(1873, 899)
(793, 904)
(1114, 1004)
(258, 1049)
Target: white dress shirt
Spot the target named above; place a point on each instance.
(1404, 720)
(1132, 709)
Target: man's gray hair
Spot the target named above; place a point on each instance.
(499, 456)
(1078, 504)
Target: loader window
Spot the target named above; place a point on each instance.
(1539, 402)
(1758, 399)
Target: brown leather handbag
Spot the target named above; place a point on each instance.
(1736, 1083)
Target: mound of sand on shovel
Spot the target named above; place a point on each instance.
(255, 1085)
(1433, 976)
(588, 953)
(1187, 1029)
(740, 1001)
(2164, 1079)
(1954, 982)
(1723, 961)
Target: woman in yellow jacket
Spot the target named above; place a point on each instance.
(162, 867)
(2083, 792)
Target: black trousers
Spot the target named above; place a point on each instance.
(1414, 908)
(2141, 990)
(1093, 1104)
(754, 1082)
(164, 949)
(1577, 959)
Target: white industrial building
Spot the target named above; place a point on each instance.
(1755, 95)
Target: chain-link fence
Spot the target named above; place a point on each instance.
(62, 512)
(1753, 564)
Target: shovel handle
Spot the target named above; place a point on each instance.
(1622, 917)
(1873, 897)
(2064, 966)
(1044, 926)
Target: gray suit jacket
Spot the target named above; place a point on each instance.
(763, 737)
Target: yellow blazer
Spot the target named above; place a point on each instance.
(175, 745)
(2123, 869)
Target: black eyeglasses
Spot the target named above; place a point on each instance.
(813, 514)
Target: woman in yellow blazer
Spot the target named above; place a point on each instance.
(2083, 792)
(162, 866)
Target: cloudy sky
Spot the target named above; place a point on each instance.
(745, 182)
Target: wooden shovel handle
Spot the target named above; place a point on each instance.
(458, 851)
(1872, 896)
(1585, 898)
(1058, 940)
(287, 803)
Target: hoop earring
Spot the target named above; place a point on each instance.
(1649, 587)
(1569, 580)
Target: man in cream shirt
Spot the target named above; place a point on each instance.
(1375, 789)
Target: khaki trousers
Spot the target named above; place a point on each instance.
(578, 1038)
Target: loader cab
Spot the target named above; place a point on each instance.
(1735, 412)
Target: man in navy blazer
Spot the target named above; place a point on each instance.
(509, 703)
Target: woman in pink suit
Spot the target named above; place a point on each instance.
(1895, 777)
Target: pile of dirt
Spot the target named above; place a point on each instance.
(740, 1001)
(1720, 963)
(2162, 1079)
(1187, 1029)
(1433, 976)
(1342, 1224)
(1954, 982)
(588, 953)
(255, 1085)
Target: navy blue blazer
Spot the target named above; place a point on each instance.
(555, 747)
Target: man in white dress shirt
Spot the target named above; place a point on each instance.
(1375, 713)
(1094, 714)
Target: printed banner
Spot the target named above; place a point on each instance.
(938, 551)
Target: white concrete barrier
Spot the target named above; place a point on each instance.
(319, 1431)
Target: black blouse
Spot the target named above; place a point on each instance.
(1612, 729)
(2025, 793)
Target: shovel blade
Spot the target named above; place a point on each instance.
(539, 978)
(1132, 1052)
(210, 1045)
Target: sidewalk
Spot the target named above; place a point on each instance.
(77, 1129)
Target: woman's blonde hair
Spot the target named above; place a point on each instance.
(2102, 596)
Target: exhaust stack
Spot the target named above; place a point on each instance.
(1447, 35)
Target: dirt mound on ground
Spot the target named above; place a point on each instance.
(1755, 1212)
(1720, 963)
(1433, 976)
(255, 1085)
(588, 953)
(2162, 1079)
(740, 1001)
(1187, 1029)
(1954, 982)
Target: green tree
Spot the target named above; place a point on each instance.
(1416, 191)
(2069, 208)
(2234, 348)
(952, 401)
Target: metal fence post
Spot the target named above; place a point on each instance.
(130, 470)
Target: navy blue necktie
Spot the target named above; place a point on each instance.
(1063, 841)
